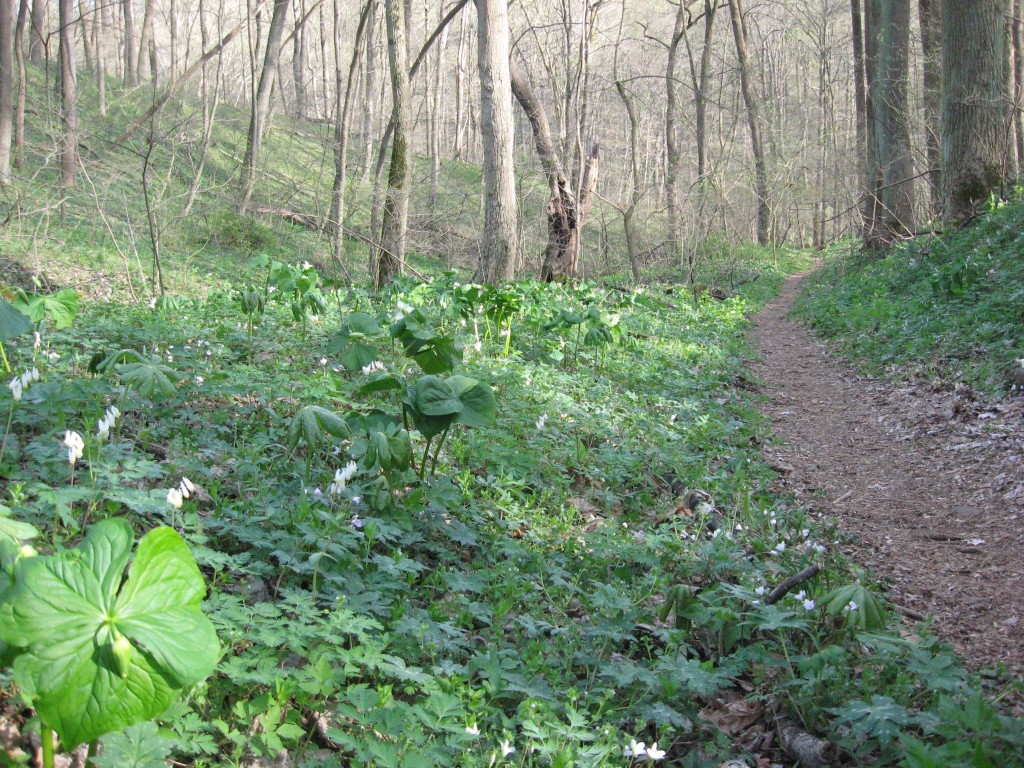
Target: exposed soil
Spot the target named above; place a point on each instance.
(924, 480)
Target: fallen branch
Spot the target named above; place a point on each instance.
(780, 591)
(809, 751)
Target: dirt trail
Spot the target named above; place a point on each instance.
(926, 483)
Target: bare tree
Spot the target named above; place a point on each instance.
(6, 87)
(389, 257)
(261, 104)
(497, 125)
(974, 127)
(754, 123)
(68, 95)
(930, 13)
(131, 70)
(564, 211)
(19, 111)
(37, 36)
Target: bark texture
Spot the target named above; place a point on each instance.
(930, 12)
(390, 256)
(564, 211)
(974, 114)
(497, 131)
(7, 16)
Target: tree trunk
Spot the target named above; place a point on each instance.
(974, 147)
(99, 27)
(131, 70)
(753, 120)
(87, 39)
(390, 256)
(261, 104)
(674, 156)
(629, 213)
(892, 126)
(931, 50)
(564, 212)
(7, 16)
(68, 98)
(300, 60)
(497, 130)
(343, 119)
(37, 36)
(143, 59)
(1018, 80)
(370, 87)
(19, 113)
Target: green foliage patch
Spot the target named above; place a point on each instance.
(948, 305)
(449, 524)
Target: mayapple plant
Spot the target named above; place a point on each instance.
(96, 652)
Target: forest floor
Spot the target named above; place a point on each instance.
(925, 483)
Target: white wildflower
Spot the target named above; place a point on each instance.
(808, 605)
(342, 476)
(37, 341)
(780, 547)
(800, 595)
(187, 489)
(200, 379)
(760, 591)
(75, 445)
(174, 497)
(806, 532)
(472, 729)
(542, 421)
(506, 748)
(17, 388)
(850, 606)
(654, 753)
(373, 367)
(635, 749)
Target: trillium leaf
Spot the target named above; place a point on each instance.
(68, 616)
(435, 398)
(360, 322)
(479, 408)
(380, 381)
(311, 422)
(13, 322)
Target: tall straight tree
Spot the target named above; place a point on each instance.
(6, 86)
(739, 29)
(497, 127)
(974, 113)
(930, 13)
(131, 63)
(37, 36)
(893, 119)
(390, 255)
(261, 103)
(68, 95)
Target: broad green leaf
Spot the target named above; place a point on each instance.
(479, 408)
(312, 422)
(61, 307)
(158, 608)
(15, 530)
(68, 616)
(380, 381)
(433, 397)
(362, 323)
(149, 378)
(13, 322)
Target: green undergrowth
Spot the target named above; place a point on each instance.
(948, 306)
(401, 574)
